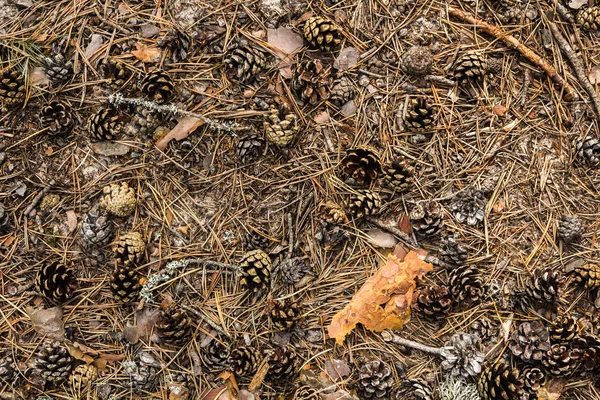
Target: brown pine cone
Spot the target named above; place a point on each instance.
(119, 199)
(116, 73)
(322, 33)
(427, 219)
(534, 378)
(83, 376)
(451, 252)
(12, 88)
(570, 229)
(215, 355)
(418, 115)
(545, 285)
(466, 284)
(364, 203)
(332, 213)
(560, 361)
(563, 329)
(433, 301)
(281, 126)
(131, 248)
(468, 206)
(243, 361)
(471, 66)
(586, 349)
(255, 240)
(56, 282)
(174, 326)
(375, 380)
(283, 364)
(292, 270)
(244, 63)
(57, 68)
(57, 118)
(54, 363)
(342, 91)
(106, 124)
(125, 284)
(305, 392)
(588, 276)
(362, 164)
(249, 148)
(501, 382)
(484, 329)
(285, 314)
(588, 151)
(530, 341)
(257, 266)
(178, 42)
(145, 121)
(415, 389)
(417, 61)
(310, 81)
(589, 18)
(399, 175)
(158, 86)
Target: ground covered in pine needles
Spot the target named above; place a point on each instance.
(511, 134)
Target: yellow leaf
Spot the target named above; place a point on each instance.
(145, 53)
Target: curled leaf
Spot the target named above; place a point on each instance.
(47, 322)
(182, 130)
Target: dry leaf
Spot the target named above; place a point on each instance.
(146, 319)
(404, 224)
(219, 393)
(8, 241)
(178, 391)
(499, 110)
(47, 322)
(285, 42)
(322, 117)
(594, 75)
(383, 302)
(380, 238)
(337, 370)
(498, 206)
(182, 130)
(71, 220)
(347, 59)
(49, 151)
(38, 77)
(93, 46)
(339, 395)
(79, 354)
(577, 4)
(552, 389)
(169, 217)
(145, 53)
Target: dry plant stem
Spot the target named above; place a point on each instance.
(576, 63)
(440, 79)
(38, 198)
(389, 336)
(205, 319)
(563, 11)
(525, 87)
(512, 42)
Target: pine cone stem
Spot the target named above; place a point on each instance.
(389, 336)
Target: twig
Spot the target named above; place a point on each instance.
(575, 62)
(205, 319)
(512, 42)
(440, 79)
(525, 87)
(563, 11)
(389, 336)
(38, 197)
(288, 218)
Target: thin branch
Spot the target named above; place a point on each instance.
(38, 197)
(391, 337)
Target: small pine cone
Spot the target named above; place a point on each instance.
(215, 355)
(427, 219)
(529, 341)
(362, 164)
(466, 284)
(415, 389)
(342, 91)
(281, 126)
(49, 201)
(305, 392)
(54, 363)
(243, 361)
(471, 66)
(589, 18)
(283, 364)
(58, 69)
(174, 326)
(451, 252)
(563, 329)
(244, 63)
(158, 86)
(586, 349)
(501, 381)
(119, 199)
(375, 380)
(322, 33)
(178, 43)
(484, 329)
(249, 148)
(145, 120)
(7, 369)
(96, 228)
(332, 213)
(116, 73)
(285, 314)
(588, 151)
(588, 276)
(560, 361)
(417, 61)
(131, 248)
(545, 286)
(83, 376)
(56, 282)
(291, 270)
(433, 301)
(534, 378)
(56, 116)
(364, 203)
(418, 115)
(12, 88)
(570, 229)
(468, 206)
(310, 81)
(462, 355)
(256, 241)
(106, 124)
(125, 284)
(143, 372)
(257, 266)
(398, 175)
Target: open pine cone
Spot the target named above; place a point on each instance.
(501, 382)
(362, 164)
(131, 248)
(530, 341)
(426, 219)
(281, 126)
(375, 380)
(158, 86)
(310, 81)
(54, 363)
(56, 282)
(56, 116)
(322, 33)
(119, 199)
(257, 265)
(462, 355)
(174, 326)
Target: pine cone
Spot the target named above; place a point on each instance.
(451, 252)
(545, 286)
(215, 355)
(125, 284)
(560, 361)
(257, 265)
(342, 91)
(415, 389)
(115, 72)
(244, 63)
(83, 376)
(484, 329)
(589, 18)
(285, 314)
(256, 241)
(56, 282)
(466, 284)
(433, 301)
(174, 326)
(105, 124)
(283, 364)
(417, 61)
(119, 199)
(500, 381)
(143, 372)
(534, 378)
(332, 213)
(7, 369)
(12, 88)
(398, 175)
(54, 363)
(375, 380)
(322, 33)
(364, 203)
(57, 118)
(145, 121)
(158, 86)
(418, 115)
(291, 270)
(468, 206)
(131, 248)
(588, 276)
(96, 228)
(310, 81)
(243, 361)
(529, 341)
(49, 201)
(586, 349)
(462, 355)
(426, 219)
(588, 151)
(362, 164)
(570, 229)
(305, 392)
(249, 148)
(563, 329)
(281, 126)
(58, 69)
(178, 42)
(471, 66)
